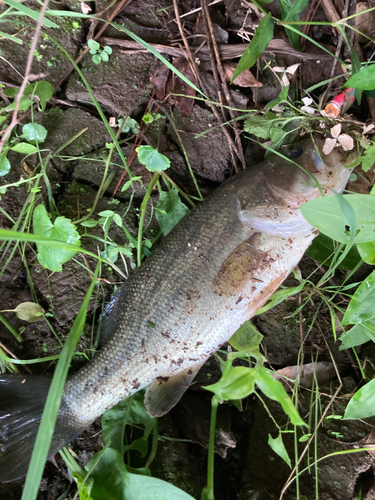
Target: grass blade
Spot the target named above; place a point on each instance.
(48, 421)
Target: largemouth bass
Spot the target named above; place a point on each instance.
(216, 268)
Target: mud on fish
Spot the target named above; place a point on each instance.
(215, 269)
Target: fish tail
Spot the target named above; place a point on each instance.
(22, 400)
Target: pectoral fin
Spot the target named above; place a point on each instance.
(165, 392)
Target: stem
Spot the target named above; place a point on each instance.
(143, 212)
(154, 445)
(208, 491)
(10, 328)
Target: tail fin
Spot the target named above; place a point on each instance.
(22, 400)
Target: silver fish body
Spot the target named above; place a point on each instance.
(216, 268)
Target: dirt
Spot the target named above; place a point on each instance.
(244, 463)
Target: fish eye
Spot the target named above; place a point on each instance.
(293, 151)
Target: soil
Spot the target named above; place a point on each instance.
(245, 466)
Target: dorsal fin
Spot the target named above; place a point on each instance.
(165, 392)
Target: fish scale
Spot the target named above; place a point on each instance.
(215, 269)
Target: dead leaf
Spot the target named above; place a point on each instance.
(245, 79)
(86, 9)
(180, 87)
(112, 122)
(29, 311)
(346, 142)
(329, 145)
(322, 371)
(159, 80)
(335, 131)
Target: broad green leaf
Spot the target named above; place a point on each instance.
(109, 475)
(106, 213)
(290, 12)
(29, 311)
(323, 247)
(259, 126)
(42, 89)
(131, 411)
(111, 253)
(152, 159)
(367, 252)
(104, 56)
(108, 50)
(238, 383)
(246, 338)
(362, 404)
(274, 390)
(361, 307)
(130, 124)
(170, 210)
(63, 230)
(34, 132)
(4, 164)
(93, 45)
(364, 79)
(258, 44)
(357, 335)
(278, 447)
(139, 487)
(96, 59)
(89, 223)
(24, 148)
(326, 215)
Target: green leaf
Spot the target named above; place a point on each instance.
(357, 335)
(108, 50)
(104, 56)
(274, 390)
(111, 253)
(282, 97)
(96, 59)
(24, 148)
(367, 252)
(152, 159)
(238, 383)
(139, 487)
(364, 79)
(93, 45)
(362, 404)
(131, 411)
(323, 247)
(259, 126)
(368, 161)
(278, 447)
(290, 12)
(29, 311)
(89, 223)
(361, 307)
(62, 230)
(246, 338)
(11, 37)
(106, 213)
(132, 125)
(4, 164)
(170, 210)
(42, 89)
(34, 132)
(258, 44)
(326, 215)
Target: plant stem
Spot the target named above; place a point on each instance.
(143, 212)
(208, 491)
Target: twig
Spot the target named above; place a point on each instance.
(224, 85)
(25, 80)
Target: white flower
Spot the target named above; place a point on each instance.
(338, 139)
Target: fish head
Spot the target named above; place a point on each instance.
(330, 171)
(282, 184)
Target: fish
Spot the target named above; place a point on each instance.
(209, 275)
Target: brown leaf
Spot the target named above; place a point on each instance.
(245, 79)
(180, 87)
(159, 80)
